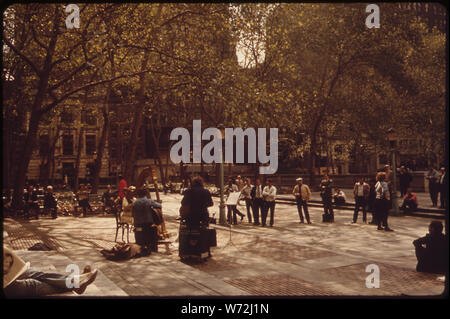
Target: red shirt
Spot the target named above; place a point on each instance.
(412, 196)
(122, 185)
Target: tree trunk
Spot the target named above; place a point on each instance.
(36, 115)
(311, 166)
(78, 160)
(137, 123)
(100, 149)
(158, 153)
(25, 157)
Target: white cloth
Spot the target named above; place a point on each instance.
(341, 194)
(382, 188)
(246, 190)
(270, 193)
(360, 189)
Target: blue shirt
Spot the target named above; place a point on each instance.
(142, 210)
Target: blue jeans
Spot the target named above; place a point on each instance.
(33, 283)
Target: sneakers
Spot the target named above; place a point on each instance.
(86, 279)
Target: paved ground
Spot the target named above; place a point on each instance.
(290, 259)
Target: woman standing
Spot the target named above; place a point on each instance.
(382, 201)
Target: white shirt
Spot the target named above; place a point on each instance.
(341, 194)
(381, 188)
(246, 191)
(270, 193)
(360, 189)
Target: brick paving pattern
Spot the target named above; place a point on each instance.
(393, 280)
(280, 285)
(287, 260)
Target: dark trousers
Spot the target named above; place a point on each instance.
(268, 206)
(381, 212)
(84, 203)
(233, 208)
(427, 263)
(403, 189)
(360, 202)
(146, 235)
(409, 206)
(31, 209)
(248, 204)
(327, 206)
(442, 195)
(257, 207)
(52, 210)
(433, 189)
(302, 204)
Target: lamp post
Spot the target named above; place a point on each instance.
(392, 139)
(222, 218)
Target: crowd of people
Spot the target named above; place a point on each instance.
(374, 197)
(259, 201)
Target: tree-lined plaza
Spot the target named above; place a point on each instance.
(125, 97)
(311, 70)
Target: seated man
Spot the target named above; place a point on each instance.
(409, 202)
(433, 257)
(145, 233)
(20, 281)
(339, 197)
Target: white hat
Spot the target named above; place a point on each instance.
(299, 179)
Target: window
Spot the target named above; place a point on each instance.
(44, 144)
(87, 117)
(66, 117)
(67, 144)
(90, 144)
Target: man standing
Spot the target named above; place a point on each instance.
(326, 194)
(382, 202)
(50, 202)
(442, 188)
(302, 194)
(361, 190)
(246, 193)
(232, 209)
(108, 199)
(31, 202)
(145, 233)
(405, 179)
(258, 202)
(433, 177)
(269, 195)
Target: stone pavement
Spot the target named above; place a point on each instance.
(289, 259)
